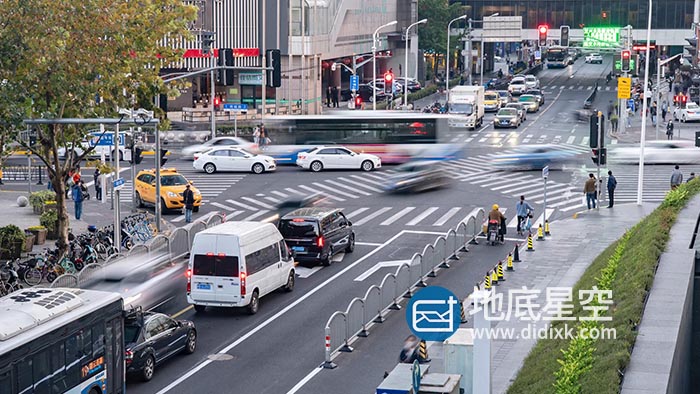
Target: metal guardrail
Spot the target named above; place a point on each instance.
(589, 101)
(343, 327)
(21, 173)
(173, 246)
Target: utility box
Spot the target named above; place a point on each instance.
(440, 383)
(697, 138)
(459, 357)
(399, 380)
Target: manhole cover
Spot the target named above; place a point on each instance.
(220, 357)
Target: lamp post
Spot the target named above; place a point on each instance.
(405, 82)
(374, 62)
(660, 64)
(640, 180)
(448, 57)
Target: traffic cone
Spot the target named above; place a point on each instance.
(487, 281)
(516, 253)
(499, 270)
(529, 243)
(546, 227)
(540, 234)
(462, 315)
(494, 277)
(423, 352)
(509, 262)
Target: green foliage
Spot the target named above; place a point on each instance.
(10, 235)
(49, 219)
(38, 199)
(432, 36)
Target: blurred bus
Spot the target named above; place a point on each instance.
(558, 57)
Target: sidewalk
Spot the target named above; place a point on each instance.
(632, 135)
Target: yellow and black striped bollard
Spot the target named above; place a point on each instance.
(540, 234)
(529, 243)
(487, 281)
(499, 270)
(546, 228)
(494, 277)
(509, 262)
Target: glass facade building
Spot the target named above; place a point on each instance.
(667, 14)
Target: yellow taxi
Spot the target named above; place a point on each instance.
(492, 103)
(172, 187)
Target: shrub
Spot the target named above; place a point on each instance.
(49, 219)
(38, 199)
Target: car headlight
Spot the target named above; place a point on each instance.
(197, 193)
(172, 195)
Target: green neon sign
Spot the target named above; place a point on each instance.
(601, 37)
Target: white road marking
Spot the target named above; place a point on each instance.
(378, 266)
(356, 190)
(371, 216)
(254, 201)
(240, 204)
(255, 215)
(571, 139)
(355, 212)
(279, 194)
(397, 216)
(367, 180)
(272, 199)
(289, 189)
(422, 216)
(360, 184)
(314, 191)
(344, 194)
(222, 206)
(447, 216)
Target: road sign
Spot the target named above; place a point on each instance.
(118, 183)
(416, 376)
(538, 55)
(235, 107)
(545, 172)
(354, 83)
(624, 87)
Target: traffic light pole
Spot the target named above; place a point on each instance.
(213, 98)
(600, 156)
(117, 210)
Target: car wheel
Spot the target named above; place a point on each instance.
(163, 207)
(254, 303)
(367, 166)
(316, 166)
(351, 245)
(199, 308)
(191, 345)
(326, 262)
(139, 201)
(289, 286)
(149, 367)
(209, 168)
(683, 119)
(258, 168)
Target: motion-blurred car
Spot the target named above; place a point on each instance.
(594, 58)
(365, 93)
(232, 159)
(151, 338)
(492, 102)
(507, 117)
(656, 152)
(188, 152)
(533, 157)
(505, 97)
(517, 86)
(293, 203)
(690, 113)
(336, 157)
(417, 176)
(522, 111)
(530, 102)
(537, 93)
(413, 84)
(532, 82)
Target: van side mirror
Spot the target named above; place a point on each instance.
(292, 254)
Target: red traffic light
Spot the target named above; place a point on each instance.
(388, 77)
(626, 54)
(543, 29)
(358, 102)
(217, 101)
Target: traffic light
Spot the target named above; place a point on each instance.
(163, 157)
(274, 60)
(542, 32)
(626, 55)
(600, 155)
(358, 102)
(217, 103)
(595, 129)
(564, 36)
(604, 14)
(388, 82)
(681, 100)
(225, 59)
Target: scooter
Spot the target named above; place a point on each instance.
(494, 235)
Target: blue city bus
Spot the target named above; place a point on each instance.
(558, 57)
(61, 340)
(394, 136)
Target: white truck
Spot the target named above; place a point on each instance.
(467, 104)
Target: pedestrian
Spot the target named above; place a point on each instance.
(669, 130)
(188, 200)
(652, 111)
(664, 109)
(614, 121)
(611, 108)
(630, 114)
(264, 139)
(256, 131)
(334, 96)
(68, 182)
(98, 184)
(612, 184)
(522, 209)
(589, 189)
(676, 177)
(409, 352)
(691, 177)
(329, 94)
(77, 193)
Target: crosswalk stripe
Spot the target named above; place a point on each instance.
(294, 191)
(375, 176)
(178, 219)
(576, 201)
(422, 216)
(522, 189)
(222, 206)
(585, 140)
(397, 216)
(567, 195)
(244, 206)
(344, 194)
(571, 139)
(367, 180)
(356, 190)
(567, 209)
(371, 216)
(503, 178)
(314, 191)
(513, 222)
(272, 199)
(513, 184)
(356, 212)
(279, 194)
(360, 184)
(255, 201)
(232, 215)
(255, 215)
(447, 216)
(543, 216)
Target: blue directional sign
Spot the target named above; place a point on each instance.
(118, 183)
(354, 83)
(235, 107)
(106, 139)
(416, 376)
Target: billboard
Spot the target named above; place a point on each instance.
(601, 37)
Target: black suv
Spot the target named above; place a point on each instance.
(317, 234)
(151, 338)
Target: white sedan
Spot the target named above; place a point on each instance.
(232, 159)
(336, 157)
(594, 58)
(517, 86)
(656, 152)
(532, 82)
(188, 152)
(690, 113)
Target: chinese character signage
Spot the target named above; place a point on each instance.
(601, 37)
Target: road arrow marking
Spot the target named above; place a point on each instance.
(378, 266)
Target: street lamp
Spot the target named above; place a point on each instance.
(448, 57)
(660, 63)
(374, 62)
(640, 180)
(405, 82)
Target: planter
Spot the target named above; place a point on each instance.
(38, 209)
(48, 207)
(53, 234)
(13, 251)
(39, 236)
(29, 243)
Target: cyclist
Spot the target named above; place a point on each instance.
(523, 210)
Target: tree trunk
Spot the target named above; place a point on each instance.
(62, 211)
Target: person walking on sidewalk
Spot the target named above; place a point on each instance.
(589, 189)
(329, 96)
(614, 121)
(669, 130)
(676, 177)
(664, 109)
(612, 184)
(522, 209)
(691, 177)
(98, 184)
(188, 200)
(77, 193)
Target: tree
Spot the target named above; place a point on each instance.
(78, 58)
(432, 36)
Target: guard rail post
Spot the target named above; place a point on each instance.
(328, 364)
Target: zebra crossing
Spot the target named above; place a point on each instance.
(552, 88)
(500, 138)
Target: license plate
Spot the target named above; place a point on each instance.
(504, 122)
(203, 286)
(298, 248)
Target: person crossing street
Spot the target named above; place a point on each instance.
(522, 209)
(188, 200)
(589, 189)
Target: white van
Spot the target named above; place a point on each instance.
(235, 263)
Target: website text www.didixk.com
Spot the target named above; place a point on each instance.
(531, 331)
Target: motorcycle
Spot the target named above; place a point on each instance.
(494, 234)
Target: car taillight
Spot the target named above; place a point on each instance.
(319, 242)
(188, 274)
(241, 277)
(196, 157)
(302, 157)
(128, 357)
